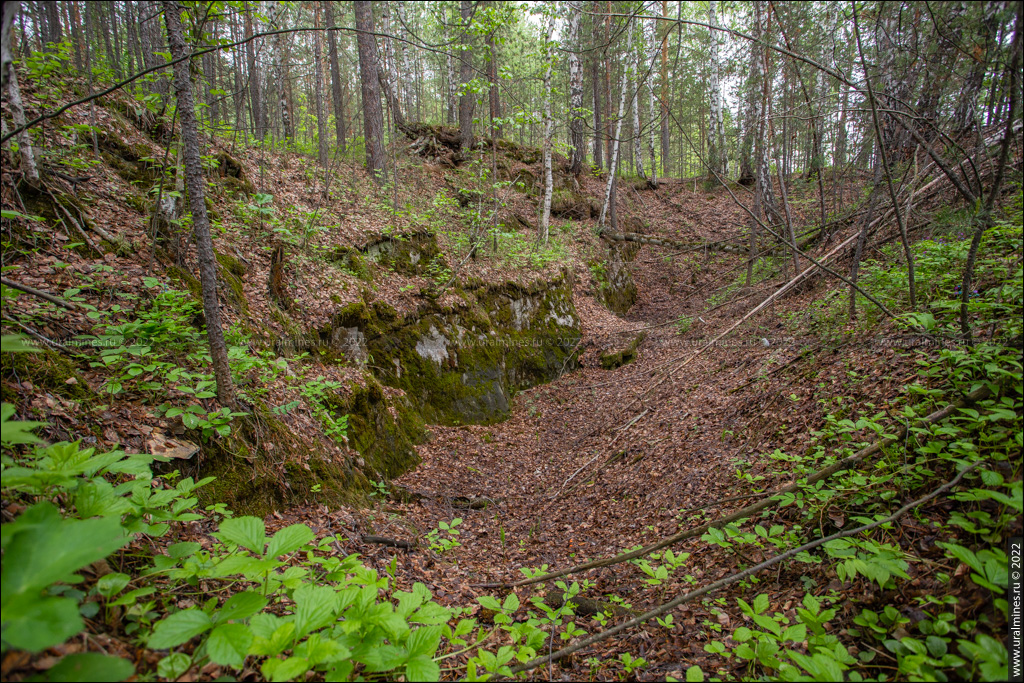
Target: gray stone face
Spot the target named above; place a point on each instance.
(352, 342)
(434, 346)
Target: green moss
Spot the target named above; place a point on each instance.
(254, 478)
(137, 202)
(409, 254)
(387, 443)
(464, 362)
(47, 370)
(231, 264)
(187, 280)
(616, 359)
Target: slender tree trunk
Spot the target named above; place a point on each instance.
(332, 46)
(373, 115)
(595, 77)
(664, 90)
(549, 126)
(467, 100)
(493, 96)
(318, 75)
(614, 155)
(716, 133)
(885, 166)
(985, 218)
(255, 104)
(577, 142)
(634, 75)
(10, 9)
(28, 158)
(197, 202)
(651, 29)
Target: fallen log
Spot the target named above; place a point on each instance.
(672, 244)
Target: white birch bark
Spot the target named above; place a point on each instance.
(654, 48)
(613, 162)
(717, 157)
(638, 145)
(545, 218)
(28, 157)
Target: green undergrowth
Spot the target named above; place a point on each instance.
(939, 266)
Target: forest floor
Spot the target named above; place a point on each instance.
(592, 464)
(602, 461)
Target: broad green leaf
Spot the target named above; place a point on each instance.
(91, 666)
(112, 584)
(228, 644)
(284, 670)
(33, 623)
(289, 539)
(240, 606)
(178, 551)
(424, 641)
(422, 668)
(315, 607)
(248, 532)
(179, 628)
(173, 666)
(45, 549)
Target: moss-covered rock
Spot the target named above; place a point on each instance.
(617, 290)
(263, 466)
(383, 430)
(463, 363)
(617, 357)
(352, 260)
(409, 254)
(46, 370)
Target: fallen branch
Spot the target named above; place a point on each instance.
(733, 578)
(391, 542)
(846, 463)
(39, 293)
(671, 244)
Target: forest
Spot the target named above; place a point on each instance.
(481, 340)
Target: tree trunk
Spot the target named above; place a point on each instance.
(28, 158)
(595, 77)
(577, 142)
(9, 10)
(664, 91)
(332, 46)
(549, 126)
(318, 92)
(255, 104)
(613, 157)
(467, 100)
(196, 182)
(651, 29)
(373, 115)
(716, 128)
(494, 99)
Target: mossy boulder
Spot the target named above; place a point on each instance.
(46, 370)
(462, 363)
(409, 254)
(264, 465)
(617, 357)
(618, 290)
(352, 260)
(383, 430)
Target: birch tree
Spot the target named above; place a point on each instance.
(613, 157)
(717, 158)
(577, 142)
(549, 125)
